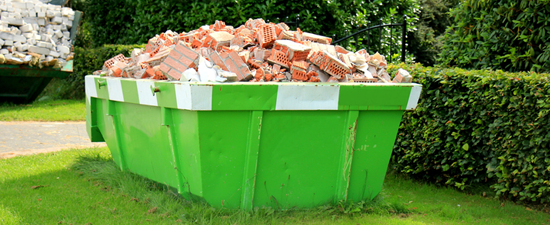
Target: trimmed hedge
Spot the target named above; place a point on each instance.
(479, 127)
(512, 35)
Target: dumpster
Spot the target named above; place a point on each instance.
(23, 83)
(245, 145)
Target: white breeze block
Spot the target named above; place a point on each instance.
(30, 20)
(1, 42)
(15, 22)
(41, 14)
(54, 54)
(67, 34)
(8, 43)
(4, 51)
(24, 47)
(28, 35)
(26, 28)
(58, 34)
(39, 50)
(19, 38)
(57, 20)
(6, 36)
(41, 21)
(63, 49)
(50, 13)
(41, 44)
(19, 5)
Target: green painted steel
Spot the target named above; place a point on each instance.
(244, 151)
(22, 83)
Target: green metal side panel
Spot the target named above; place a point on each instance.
(376, 134)
(252, 97)
(223, 144)
(187, 133)
(299, 158)
(240, 147)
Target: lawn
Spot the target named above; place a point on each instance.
(85, 187)
(56, 110)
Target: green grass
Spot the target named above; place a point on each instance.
(85, 186)
(56, 110)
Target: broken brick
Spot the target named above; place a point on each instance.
(266, 35)
(402, 76)
(278, 57)
(316, 38)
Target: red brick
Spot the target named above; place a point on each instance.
(174, 74)
(150, 72)
(215, 57)
(175, 64)
(118, 58)
(186, 51)
(175, 54)
(164, 67)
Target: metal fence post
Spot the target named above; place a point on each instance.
(403, 39)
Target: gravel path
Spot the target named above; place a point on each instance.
(24, 138)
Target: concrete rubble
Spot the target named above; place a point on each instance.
(255, 52)
(35, 33)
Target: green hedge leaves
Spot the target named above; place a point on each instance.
(512, 35)
(479, 127)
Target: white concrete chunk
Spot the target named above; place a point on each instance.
(19, 38)
(6, 36)
(26, 28)
(15, 22)
(4, 51)
(58, 34)
(63, 49)
(8, 42)
(54, 54)
(57, 20)
(39, 50)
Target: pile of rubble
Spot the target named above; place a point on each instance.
(256, 51)
(35, 33)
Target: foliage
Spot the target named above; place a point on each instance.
(479, 127)
(426, 41)
(130, 22)
(382, 40)
(511, 35)
(86, 61)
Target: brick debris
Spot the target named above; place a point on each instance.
(255, 52)
(35, 33)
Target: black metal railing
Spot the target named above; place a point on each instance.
(356, 34)
(403, 25)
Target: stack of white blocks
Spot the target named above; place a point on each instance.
(32, 26)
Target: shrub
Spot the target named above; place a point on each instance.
(86, 61)
(479, 127)
(135, 21)
(510, 35)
